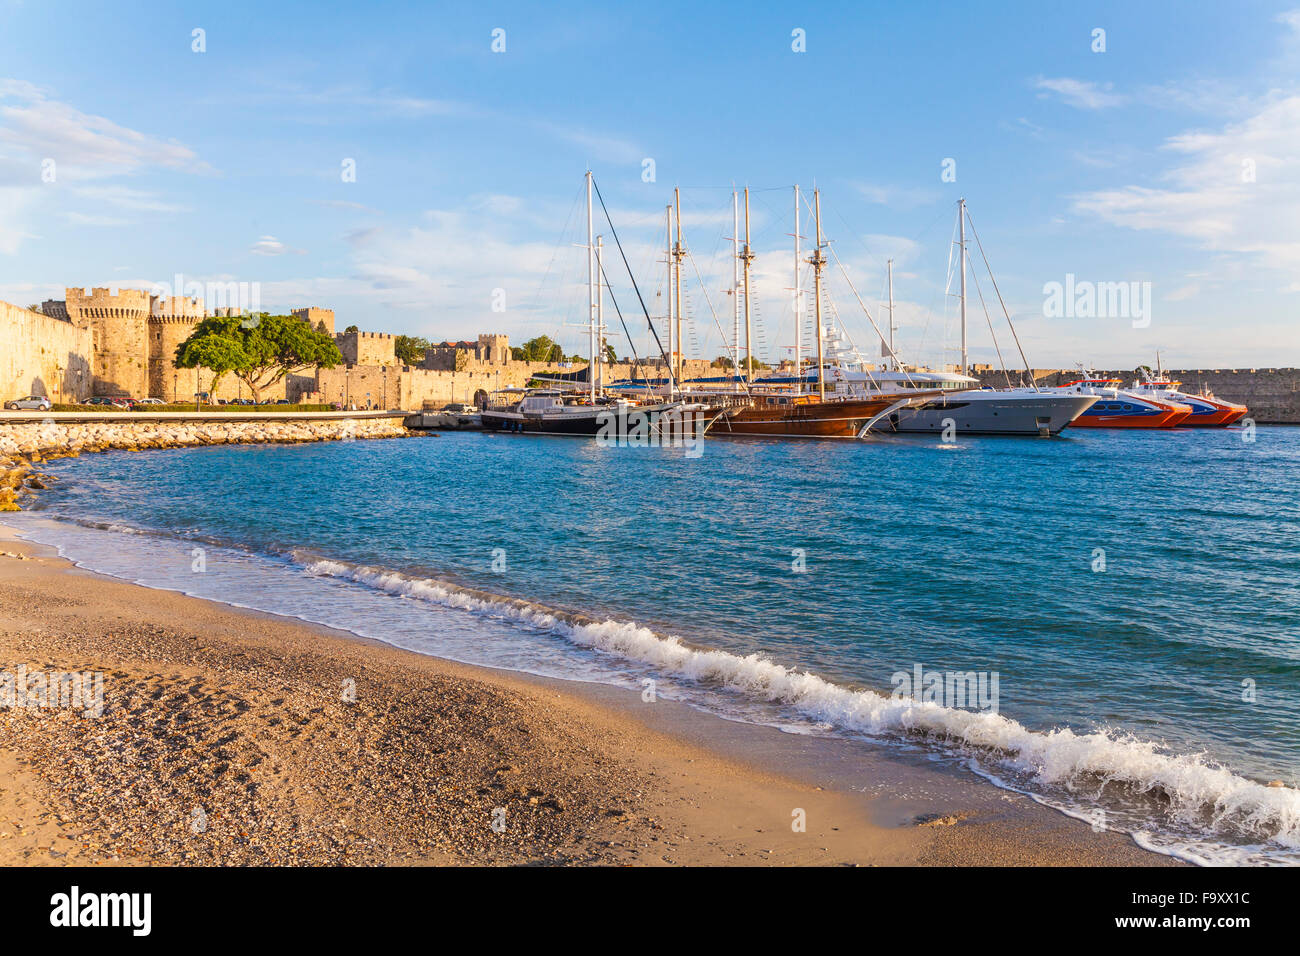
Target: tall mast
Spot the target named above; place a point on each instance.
(668, 294)
(893, 362)
(798, 299)
(678, 252)
(747, 257)
(818, 262)
(600, 310)
(591, 297)
(961, 219)
(735, 282)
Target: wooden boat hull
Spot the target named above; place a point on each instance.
(787, 417)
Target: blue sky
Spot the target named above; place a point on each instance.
(1116, 166)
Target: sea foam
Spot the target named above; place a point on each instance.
(1192, 789)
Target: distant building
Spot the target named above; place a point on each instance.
(491, 348)
(316, 317)
(367, 348)
(123, 342)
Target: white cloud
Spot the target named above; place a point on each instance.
(83, 145)
(1083, 94)
(1235, 190)
(51, 152)
(271, 246)
(903, 197)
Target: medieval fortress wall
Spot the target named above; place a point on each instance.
(42, 355)
(1271, 394)
(123, 342)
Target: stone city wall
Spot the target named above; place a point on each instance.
(1271, 394)
(41, 355)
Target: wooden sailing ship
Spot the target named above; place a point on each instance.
(777, 414)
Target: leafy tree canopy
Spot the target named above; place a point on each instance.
(259, 350)
(410, 349)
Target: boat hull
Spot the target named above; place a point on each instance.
(796, 418)
(983, 413)
(1164, 417)
(593, 421)
(1217, 415)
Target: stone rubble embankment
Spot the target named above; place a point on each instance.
(24, 443)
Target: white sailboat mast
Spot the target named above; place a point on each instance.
(798, 300)
(668, 295)
(600, 311)
(893, 361)
(747, 257)
(678, 252)
(818, 262)
(591, 297)
(735, 282)
(961, 235)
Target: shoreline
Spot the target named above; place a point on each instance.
(236, 714)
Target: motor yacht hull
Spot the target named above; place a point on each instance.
(991, 413)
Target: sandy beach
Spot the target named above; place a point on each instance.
(234, 737)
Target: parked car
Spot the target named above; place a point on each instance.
(29, 403)
(148, 401)
(111, 401)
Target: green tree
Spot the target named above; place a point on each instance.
(722, 361)
(410, 349)
(351, 328)
(259, 350)
(540, 349)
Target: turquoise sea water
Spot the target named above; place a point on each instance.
(1157, 695)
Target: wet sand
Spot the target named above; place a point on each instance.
(234, 737)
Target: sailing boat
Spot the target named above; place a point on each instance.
(555, 411)
(963, 405)
(777, 413)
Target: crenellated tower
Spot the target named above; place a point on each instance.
(171, 321)
(118, 320)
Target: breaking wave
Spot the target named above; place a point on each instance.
(1187, 790)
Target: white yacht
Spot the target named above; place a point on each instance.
(970, 408)
(966, 407)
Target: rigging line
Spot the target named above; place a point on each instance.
(993, 335)
(875, 261)
(637, 288)
(947, 296)
(636, 359)
(735, 358)
(555, 250)
(1010, 324)
(844, 331)
(865, 311)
